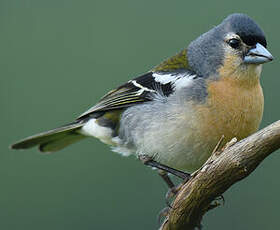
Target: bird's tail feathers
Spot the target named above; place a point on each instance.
(52, 140)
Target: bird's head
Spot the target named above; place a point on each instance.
(235, 47)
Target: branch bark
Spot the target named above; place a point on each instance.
(223, 169)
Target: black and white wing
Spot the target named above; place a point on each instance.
(163, 79)
(135, 91)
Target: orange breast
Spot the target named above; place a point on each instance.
(234, 108)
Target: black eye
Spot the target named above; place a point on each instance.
(234, 43)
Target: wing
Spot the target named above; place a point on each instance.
(159, 80)
(133, 92)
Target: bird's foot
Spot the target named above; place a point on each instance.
(171, 193)
(163, 172)
(173, 189)
(220, 200)
(163, 214)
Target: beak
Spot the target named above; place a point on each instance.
(258, 55)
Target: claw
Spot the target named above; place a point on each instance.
(216, 202)
(221, 197)
(171, 193)
(163, 214)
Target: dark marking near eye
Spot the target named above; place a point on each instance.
(252, 40)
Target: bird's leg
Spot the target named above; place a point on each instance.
(166, 178)
(172, 188)
(163, 170)
(149, 161)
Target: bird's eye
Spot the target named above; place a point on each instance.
(234, 43)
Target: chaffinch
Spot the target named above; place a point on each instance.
(175, 114)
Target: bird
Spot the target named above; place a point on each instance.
(173, 116)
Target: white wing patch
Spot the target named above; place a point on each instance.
(166, 78)
(178, 81)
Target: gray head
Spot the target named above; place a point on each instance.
(237, 37)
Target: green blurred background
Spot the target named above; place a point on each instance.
(57, 58)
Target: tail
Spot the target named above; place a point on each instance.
(52, 140)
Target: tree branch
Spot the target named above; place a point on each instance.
(222, 169)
